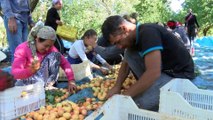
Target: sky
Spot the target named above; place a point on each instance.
(176, 5)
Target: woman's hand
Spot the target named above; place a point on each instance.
(72, 86)
(59, 22)
(35, 66)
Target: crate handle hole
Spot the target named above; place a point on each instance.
(99, 116)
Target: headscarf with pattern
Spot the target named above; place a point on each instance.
(44, 32)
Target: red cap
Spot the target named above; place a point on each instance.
(171, 24)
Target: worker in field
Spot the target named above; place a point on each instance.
(191, 24)
(17, 20)
(80, 51)
(53, 20)
(153, 54)
(37, 60)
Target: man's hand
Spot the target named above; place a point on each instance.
(72, 86)
(12, 25)
(115, 90)
(6, 80)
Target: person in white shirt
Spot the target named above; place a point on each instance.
(80, 51)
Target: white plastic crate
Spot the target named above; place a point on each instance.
(121, 107)
(180, 97)
(13, 103)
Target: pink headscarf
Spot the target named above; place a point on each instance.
(56, 1)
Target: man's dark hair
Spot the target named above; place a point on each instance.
(111, 25)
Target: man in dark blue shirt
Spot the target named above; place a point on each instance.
(154, 54)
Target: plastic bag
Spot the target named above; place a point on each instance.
(82, 70)
(67, 32)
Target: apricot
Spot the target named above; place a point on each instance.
(29, 118)
(68, 108)
(40, 117)
(60, 112)
(41, 111)
(81, 117)
(62, 118)
(84, 112)
(67, 116)
(49, 107)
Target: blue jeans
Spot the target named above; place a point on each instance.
(149, 99)
(17, 38)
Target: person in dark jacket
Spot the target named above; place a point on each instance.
(190, 24)
(53, 20)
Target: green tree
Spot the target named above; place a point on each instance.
(85, 14)
(153, 10)
(41, 10)
(203, 10)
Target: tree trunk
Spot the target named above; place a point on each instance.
(33, 4)
(205, 30)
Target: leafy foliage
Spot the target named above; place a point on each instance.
(153, 11)
(204, 12)
(86, 14)
(3, 40)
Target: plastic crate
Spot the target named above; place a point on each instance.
(180, 97)
(20, 100)
(124, 108)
